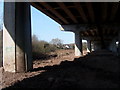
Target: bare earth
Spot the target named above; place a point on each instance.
(96, 70)
(9, 79)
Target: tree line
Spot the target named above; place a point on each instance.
(41, 48)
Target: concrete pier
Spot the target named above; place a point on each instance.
(89, 45)
(113, 46)
(97, 45)
(87, 24)
(119, 43)
(17, 37)
(78, 44)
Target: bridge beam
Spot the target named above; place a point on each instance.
(17, 37)
(74, 28)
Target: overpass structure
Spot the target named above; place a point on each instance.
(96, 22)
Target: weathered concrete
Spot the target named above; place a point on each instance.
(9, 37)
(74, 28)
(78, 44)
(113, 46)
(17, 37)
(97, 45)
(119, 43)
(78, 39)
(89, 45)
(1, 46)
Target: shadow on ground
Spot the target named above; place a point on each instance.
(96, 70)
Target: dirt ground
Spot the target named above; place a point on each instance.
(96, 70)
(9, 79)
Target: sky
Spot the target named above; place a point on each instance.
(47, 29)
(44, 27)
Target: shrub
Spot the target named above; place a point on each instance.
(41, 49)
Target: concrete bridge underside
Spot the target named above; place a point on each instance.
(98, 23)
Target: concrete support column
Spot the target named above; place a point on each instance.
(17, 37)
(113, 46)
(78, 44)
(97, 45)
(89, 45)
(119, 43)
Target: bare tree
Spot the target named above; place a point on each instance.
(35, 38)
(56, 41)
